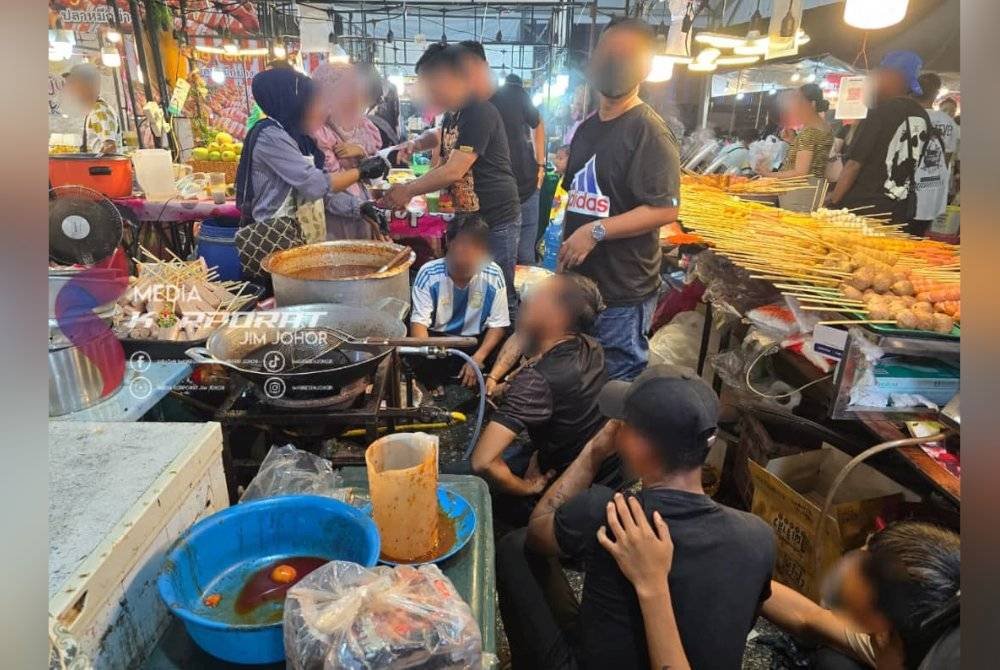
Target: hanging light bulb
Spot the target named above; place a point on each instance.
(279, 50)
(874, 14)
(217, 75)
(110, 57)
(389, 37)
(113, 36)
(740, 96)
(758, 24)
(662, 69)
(499, 37)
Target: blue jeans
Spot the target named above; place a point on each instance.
(529, 230)
(503, 249)
(622, 333)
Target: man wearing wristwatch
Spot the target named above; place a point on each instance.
(623, 178)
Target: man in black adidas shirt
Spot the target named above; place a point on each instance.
(623, 178)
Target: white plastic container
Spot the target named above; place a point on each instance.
(155, 173)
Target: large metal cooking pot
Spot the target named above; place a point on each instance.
(235, 345)
(361, 291)
(75, 381)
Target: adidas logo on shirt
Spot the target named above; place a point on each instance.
(585, 195)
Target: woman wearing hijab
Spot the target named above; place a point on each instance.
(281, 171)
(345, 137)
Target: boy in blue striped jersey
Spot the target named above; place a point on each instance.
(463, 294)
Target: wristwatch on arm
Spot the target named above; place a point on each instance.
(598, 232)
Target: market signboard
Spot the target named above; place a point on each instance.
(204, 17)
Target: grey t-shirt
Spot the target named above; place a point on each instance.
(277, 166)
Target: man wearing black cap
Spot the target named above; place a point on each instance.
(722, 560)
(879, 174)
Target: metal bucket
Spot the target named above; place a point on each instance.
(75, 381)
(360, 291)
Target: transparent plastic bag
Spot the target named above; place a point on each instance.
(345, 616)
(678, 342)
(288, 471)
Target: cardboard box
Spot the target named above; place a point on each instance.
(789, 496)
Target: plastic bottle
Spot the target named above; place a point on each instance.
(552, 242)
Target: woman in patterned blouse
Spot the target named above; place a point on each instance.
(810, 150)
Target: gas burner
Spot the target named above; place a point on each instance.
(343, 399)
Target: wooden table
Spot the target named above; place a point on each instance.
(940, 476)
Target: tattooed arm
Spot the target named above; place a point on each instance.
(507, 358)
(577, 477)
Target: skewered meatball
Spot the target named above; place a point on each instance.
(943, 323)
(850, 292)
(902, 287)
(879, 313)
(862, 278)
(900, 275)
(925, 320)
(882, 282)
(908, 300)
(923, 306)
(906, 319)
(869, 294)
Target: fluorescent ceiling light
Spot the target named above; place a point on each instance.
(719, 40)
(736, 60)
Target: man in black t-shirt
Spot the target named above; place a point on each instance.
(520, 118)
(722, 558)
(552, 397)
(475, 161)
(881, 161)
(623, 178)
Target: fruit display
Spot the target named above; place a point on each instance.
(833, 260)
(222, 147)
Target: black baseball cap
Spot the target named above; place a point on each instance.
(670, 405)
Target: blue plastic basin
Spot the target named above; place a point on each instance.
(218, 554)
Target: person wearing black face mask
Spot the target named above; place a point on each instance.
(623, 178)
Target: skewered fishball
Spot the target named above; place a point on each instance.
(850, 292)
(879, 313)
(943, 323)
(906, 319)
(923, 306)
(902, 287)
(908, 300)
(882, 282)
(925, 320)
(862, 278)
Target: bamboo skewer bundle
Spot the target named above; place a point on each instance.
(831, 260)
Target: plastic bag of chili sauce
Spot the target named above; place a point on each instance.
(402, 478)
